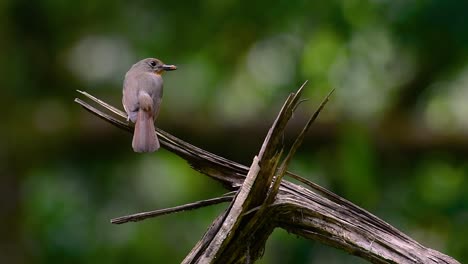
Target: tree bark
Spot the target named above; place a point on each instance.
(265, 201)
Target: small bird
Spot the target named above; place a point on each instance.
(142, 96)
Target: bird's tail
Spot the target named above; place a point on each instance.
(144, 136)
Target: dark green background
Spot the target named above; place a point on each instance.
(393, 139)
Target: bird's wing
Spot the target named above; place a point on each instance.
(130, 97)
(152, 84)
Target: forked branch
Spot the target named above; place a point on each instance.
(264, 201)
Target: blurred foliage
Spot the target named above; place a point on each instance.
(393, 139)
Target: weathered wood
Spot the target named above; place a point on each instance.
(312, 212)
(181, 208)
(232, 243)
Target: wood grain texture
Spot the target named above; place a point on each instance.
(238, 235)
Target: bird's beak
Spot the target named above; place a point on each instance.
(169, 67)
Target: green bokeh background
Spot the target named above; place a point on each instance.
(393, 139)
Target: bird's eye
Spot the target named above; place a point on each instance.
(153, 64)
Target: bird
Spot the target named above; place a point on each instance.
(142, 96)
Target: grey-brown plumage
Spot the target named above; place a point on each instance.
(142, 96)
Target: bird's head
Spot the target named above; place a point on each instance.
(154, 65)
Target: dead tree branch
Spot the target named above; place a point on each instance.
(263, 201)
(190, 206)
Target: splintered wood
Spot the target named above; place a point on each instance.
(260, 200)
